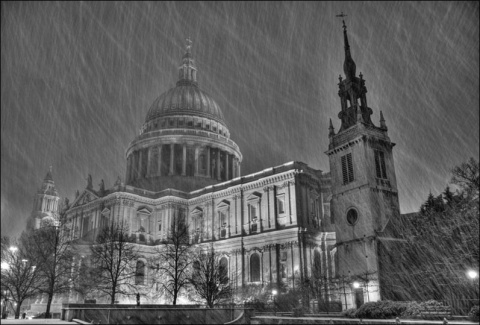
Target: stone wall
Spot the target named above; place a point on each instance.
(153, 314)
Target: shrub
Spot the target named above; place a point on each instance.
(287, 301)
(473, 315)
(256, 304)
(381, 309)
(349, 313)
(298, 312)
(414, 308)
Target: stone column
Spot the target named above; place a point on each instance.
(195, 173)
(238, 167)
(218, 164)
(226, 166)
(292, 203)
(149, 162)
(139, 167)
(133, 168)
(229, 216)
(208, 162)
(184, 160)
(159, 167)
(172, 153)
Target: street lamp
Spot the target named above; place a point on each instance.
(356, 285)
(274, 293)
(472, 274)
(13, 249)
(4, 311)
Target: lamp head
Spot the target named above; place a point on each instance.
(472, 274)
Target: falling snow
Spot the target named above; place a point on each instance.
(78, 78)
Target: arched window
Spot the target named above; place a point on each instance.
(317, 264)
(255, 268)
(223, 270)
(140, 273)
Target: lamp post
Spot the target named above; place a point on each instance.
(4, 311)
(274, 293)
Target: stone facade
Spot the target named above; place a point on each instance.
(278, 217)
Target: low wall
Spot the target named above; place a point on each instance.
(55, 309)
(153, 314)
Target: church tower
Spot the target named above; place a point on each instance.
(45, 205)
(364, 187)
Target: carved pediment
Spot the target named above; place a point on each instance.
(223, 204)
(254, 196)
(144, 211)
(197, 210)
(84, 198)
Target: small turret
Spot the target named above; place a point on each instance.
(331, 130)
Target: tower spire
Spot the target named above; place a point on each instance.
(349, 66)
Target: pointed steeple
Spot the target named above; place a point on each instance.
(352, 91)
(187, 72)
(382, 122)
(349, 66)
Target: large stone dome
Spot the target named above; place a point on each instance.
(185, 99)
(184, 143)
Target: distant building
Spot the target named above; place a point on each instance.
(45, 204)
(283, 224)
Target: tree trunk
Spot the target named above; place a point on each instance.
(112, 301)
(49, 303)
(174, 297)
(17, 312)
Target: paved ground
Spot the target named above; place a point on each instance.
(338, 320)
(35, 321)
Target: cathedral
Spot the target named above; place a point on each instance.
(279, 225)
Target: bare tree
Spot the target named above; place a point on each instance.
(53, 252)
(20, 277)
(209, 278)
(174, 257)
(114, 257)
(467, 176)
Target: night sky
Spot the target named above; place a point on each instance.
(78, 78)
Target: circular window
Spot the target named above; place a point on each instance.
(352, 217)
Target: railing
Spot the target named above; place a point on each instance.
(206, 134)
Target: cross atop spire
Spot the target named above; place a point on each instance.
(341, 15)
